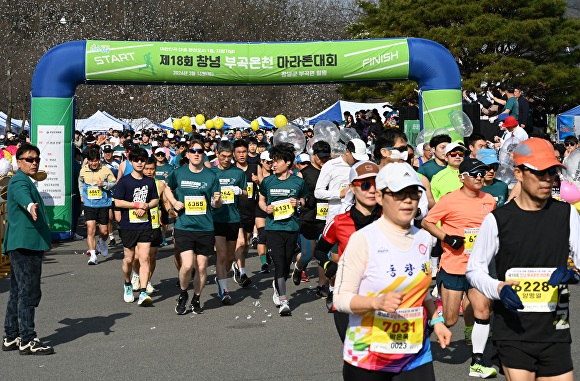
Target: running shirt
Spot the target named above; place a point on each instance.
(278, 192)
(339, 230)
(446, 181)
(247, 205)
(229, 178)
(196, 191)
(391, 342)
(162, 171)
(430, 169)
(498, 190)
(113, 166)
(93, 195)
(135, 190)
(314, 211)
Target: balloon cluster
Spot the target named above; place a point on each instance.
(460, 123)
(290, 134)
(183, 123)
(327, 131)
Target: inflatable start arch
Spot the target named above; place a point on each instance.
(67, 65)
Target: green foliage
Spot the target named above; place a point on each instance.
(523, 42)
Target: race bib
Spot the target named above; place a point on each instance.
(343, 187)
(321, 210)
(250, 190)
(282, 209)
(397, 332)
(469, 235)
(227, 194)
(134, 219)
(155, 224)
(195, 205)
(533, 290)
(94, 193)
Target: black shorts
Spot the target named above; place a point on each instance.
(452, 281)
(156, 238)
(164, 216)
(545, 359)
(229, 230)
(423, 372)
(201, 243)
(101, 215)
(260, 213)
(312, 230)
(247, 223)
(130, 238)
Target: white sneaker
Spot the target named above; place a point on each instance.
(144, 299)
(275, 297)
(284, 308)
(93, 260)
(135, 282)
(150, 288)
(128, 294)
(77, 237)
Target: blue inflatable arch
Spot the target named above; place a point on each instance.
(64, 67)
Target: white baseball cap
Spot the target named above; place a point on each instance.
(160, 149)
(451, 146)
(265, 156)
(303, 158)
(397, 176)
(358, 149)
(362, 170)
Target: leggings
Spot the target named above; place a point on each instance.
(281, 247)
(424, 372)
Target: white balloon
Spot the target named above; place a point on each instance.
(337, 149)
(310, 144)
(506, 152)
(290, 134)
(328, 130)
(347, 134)
(505, 173)
(461, 123)
(572, 163)
(5, 167)
(441, 131)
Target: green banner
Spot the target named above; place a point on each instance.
(437, 107)
(51, 132)
(247, 63)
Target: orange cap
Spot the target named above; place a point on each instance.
(537, 154)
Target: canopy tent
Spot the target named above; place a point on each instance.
(140, 123)
(336, 111)
(15, 124)
(265, 122)
(100, 121)
(233, 122)
(568, 123)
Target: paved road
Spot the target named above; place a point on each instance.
(97, 336)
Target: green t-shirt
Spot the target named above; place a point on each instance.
(196, 191)
(430, 169)
(277, 191)
(163, 171)
(178, 158)
(446, 181)
(233, 176)
(499, 190)
(512, 105)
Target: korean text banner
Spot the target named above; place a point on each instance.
(247, 63)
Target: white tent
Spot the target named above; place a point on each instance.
(336, 111)
(15, 124)
(140, 123)
(234, 122)
(100, 121)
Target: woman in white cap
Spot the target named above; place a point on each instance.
(382, 282)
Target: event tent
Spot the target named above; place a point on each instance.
(15, 124)
(101, 121)
(336, 111)
(234, 122)
(568, 123)
(140, 123)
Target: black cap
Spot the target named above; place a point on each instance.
(128, 144)
(107, 148)
(468, 164)
(321, 149)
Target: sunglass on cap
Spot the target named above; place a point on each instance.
(401, 195)
(456, 153)
(31, 159)
(198, 151)
(364, 185)
(550, 171)
(475, 173)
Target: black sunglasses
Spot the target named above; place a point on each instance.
(140, 160)
(550, 171)
(476, 173)
(364, 185)
(570, 144)
(159, 154)
(197, 150)
(403, 194)
(31, 159)
(494, 167)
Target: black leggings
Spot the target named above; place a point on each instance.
(341, 324)
(281, 247)
(424, 372)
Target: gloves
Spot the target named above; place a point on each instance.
(330, 269)
(510, 299)
(454, 241)
(563, 275)
(237, 190)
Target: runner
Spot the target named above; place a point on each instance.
(461, 213)
(383, 285)
(113, 163)
(162, 170)
(135, 195)
(264, 171)
(432, 167)
(447, 180)
(226, 220)
(280, 196)
(531, 239)
(96, 182)
(196, 190)
(338, 231)
(498, 189)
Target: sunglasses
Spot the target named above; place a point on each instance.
(31, 159)
(456, 153)
(172, 142)
(570, 144)
(476, 173)
(364, 185)
(140, 160)
(160, 154)
(198, 151)
(494, 167)
(550, 171)
(403, 194)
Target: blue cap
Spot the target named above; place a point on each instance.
(487, 156)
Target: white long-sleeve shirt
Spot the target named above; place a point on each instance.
(333, 176)
(486, 247)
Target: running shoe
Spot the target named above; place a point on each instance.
(254, 242)
(284, 308)
(303, 277)
(275, 296)
(196, 305)
(329, 301)
(245, 281)
(144, 299)
(296, 275)
(135, 282)
(10, 344)
(78, 237)
(164, 242)
(150, 289)
(467, 331)
(236, 270)
(264, 269)
(481, 370)
(181, 308)
(321, 292)
(36, 348)
(93, 259)
(102, 247)
(128, 294)
(223, 294)
(112, 242)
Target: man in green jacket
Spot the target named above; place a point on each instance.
(26, 239)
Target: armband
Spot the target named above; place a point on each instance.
(438, 319)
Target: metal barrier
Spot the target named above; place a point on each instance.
(4, 261)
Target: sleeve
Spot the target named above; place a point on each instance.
(351, 269)
(20, 190)
(484, 249)
(110, 180)
(329, 232)
(422, 171)
(171, 180)
(574, 236)
(119, 191)
(423, 205)
(263, 188)
(320, 192)
(439, 211)
(303, 189)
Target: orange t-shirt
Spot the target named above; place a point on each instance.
(462, 216)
